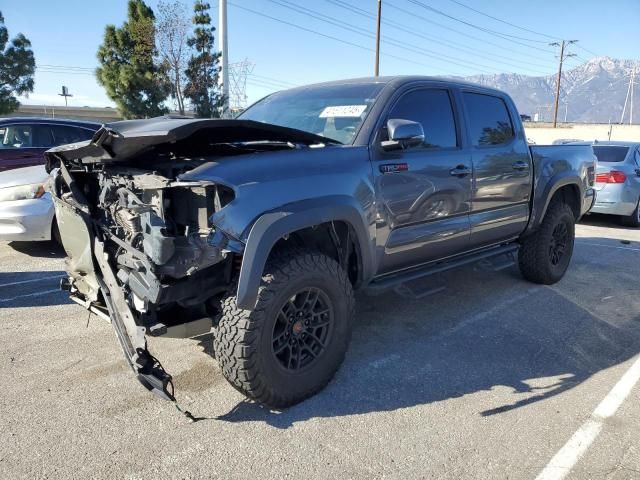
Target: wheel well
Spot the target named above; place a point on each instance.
(569, 194)
(336, 239)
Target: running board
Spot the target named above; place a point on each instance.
(394, 279)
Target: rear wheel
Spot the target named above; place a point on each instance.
(293, 342)
(633, 220)
(544, 256)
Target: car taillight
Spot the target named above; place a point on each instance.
(611, 177)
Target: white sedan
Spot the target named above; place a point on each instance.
(26, 209)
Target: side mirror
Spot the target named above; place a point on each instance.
(403, 134)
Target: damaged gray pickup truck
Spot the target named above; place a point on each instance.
(262, 227)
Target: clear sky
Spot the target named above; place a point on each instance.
(416, 39)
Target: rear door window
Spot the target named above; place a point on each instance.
(489, 120)
(42, 136)
(64, 134)
(610, 153)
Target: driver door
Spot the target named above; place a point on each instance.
(424, 192)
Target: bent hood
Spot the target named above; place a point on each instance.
(121, 141)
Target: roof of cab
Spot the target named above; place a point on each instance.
(399, 80)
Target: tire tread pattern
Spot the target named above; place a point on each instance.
(237, 340)
(533, 258)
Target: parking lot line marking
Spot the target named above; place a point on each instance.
(561, 464)
(609, 246)
(46, 292)
(31, 281)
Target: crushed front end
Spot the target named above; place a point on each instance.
(142, 251)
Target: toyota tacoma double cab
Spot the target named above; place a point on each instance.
(261, 228)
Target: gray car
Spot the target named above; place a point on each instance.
(618, 180)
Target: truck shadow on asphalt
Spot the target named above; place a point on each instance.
(606, 221)
(32, 289)
(484, 332)
(39, 249)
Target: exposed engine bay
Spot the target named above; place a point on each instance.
(158, 233)
(168, 257)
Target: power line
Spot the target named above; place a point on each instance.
(464, 34)
(273, 80)
(450, 44)
(77, 70)
(587, 50)
(65, 72)
(551, 37)
(503, 21)
(477, 27)
(346, 42)
(359, 31)
(67, 67)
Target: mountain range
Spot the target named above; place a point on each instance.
(593, 92)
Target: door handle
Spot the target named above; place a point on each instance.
(460, 171)
(520, 165)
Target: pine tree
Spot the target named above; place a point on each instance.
(127, 65)
(202, 87)
(17, 66)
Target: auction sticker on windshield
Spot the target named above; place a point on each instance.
(343, 111)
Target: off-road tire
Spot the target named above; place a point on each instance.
(633, 220)
(534, 257)
(243, 343)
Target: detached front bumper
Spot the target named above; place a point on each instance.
(26, 220)
(93, 284)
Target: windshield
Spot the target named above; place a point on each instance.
(610, 154)
(332, 111)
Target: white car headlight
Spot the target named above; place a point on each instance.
(22, 192)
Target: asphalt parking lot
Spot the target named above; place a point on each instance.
(489, 378)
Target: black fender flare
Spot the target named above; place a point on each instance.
(541, 203)
(270, 227)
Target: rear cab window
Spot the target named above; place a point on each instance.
(610, 153)
(489, 120)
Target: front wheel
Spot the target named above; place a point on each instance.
(544, 256)
(290, 346)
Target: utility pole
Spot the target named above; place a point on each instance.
(562, 57)
(626, 99)
(377, 66)
(629, 98)
(65, 93)
(633, 74)
(224, 50)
